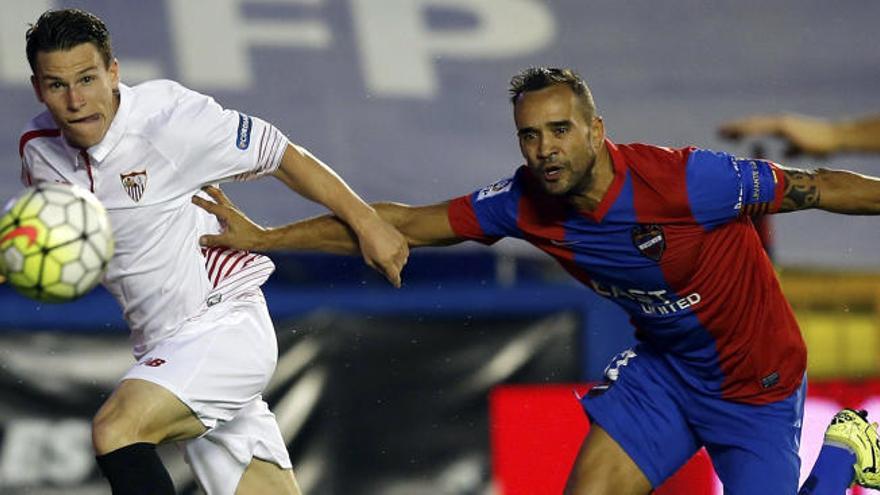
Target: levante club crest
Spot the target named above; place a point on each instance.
(649, 240)
(134, 184)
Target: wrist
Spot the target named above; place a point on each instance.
(363, 220)
(264, 239)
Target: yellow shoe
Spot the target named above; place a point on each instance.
(850, 429)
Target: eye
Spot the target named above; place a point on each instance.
(561, 130)
(55, 85)
(87, 79)
(527, 136)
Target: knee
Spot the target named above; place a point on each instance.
(112, 430)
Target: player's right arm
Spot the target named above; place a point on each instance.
(722, 187)
(836, 191)
(421, 226)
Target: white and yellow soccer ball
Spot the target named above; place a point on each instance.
(55, 242)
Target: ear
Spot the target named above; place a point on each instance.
(114, 74)
(37, 91)
(597, 132)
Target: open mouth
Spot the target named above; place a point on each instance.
(552, 172)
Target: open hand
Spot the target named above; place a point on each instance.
(238, 231)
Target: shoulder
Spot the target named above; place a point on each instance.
(652, 161)
(508, 188)
(165, 110)
(160, 90)
(164, 97)
(640, 155)
(41, 126)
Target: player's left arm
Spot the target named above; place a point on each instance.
(838, 191)
(382, 246)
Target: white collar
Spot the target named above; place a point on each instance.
(117, 128)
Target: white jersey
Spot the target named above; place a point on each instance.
(164, 144)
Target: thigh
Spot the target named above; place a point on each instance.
(220, 459)
(263, 477)
(216, 364)
(754, 448)
(640, 407)
(141, 411)
(602, 467)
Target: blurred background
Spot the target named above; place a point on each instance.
(441, 386)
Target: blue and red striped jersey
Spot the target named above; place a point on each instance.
(673, 244)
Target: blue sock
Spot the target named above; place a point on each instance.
(832, 473)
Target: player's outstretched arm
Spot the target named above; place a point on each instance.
(420, 225)
(838, 191)
(810, 135)
(382, 246)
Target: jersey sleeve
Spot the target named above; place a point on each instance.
(488, 214)
(722, 187)
(211, 144)
(36, 166)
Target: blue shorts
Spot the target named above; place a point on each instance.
(660, 422)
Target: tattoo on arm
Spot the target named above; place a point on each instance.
(756, 209)
(801, 190)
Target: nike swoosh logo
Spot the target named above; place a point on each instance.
(30, 232)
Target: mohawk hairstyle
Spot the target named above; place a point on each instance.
(537, 78)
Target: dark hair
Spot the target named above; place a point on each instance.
(535, 78)
(65, 29)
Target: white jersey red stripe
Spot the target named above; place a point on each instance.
(164, 144)
(26, 137)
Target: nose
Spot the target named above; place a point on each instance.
(75, 99)
(547, 149)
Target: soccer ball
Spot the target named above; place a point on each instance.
(55, 242)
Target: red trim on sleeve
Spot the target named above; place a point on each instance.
(779, 190)
(35, 134)
(463, 220)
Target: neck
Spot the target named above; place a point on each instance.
(599, 181)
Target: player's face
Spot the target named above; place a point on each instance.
(557, 141)
(79, 91)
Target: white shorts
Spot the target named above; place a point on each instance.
(218, 365)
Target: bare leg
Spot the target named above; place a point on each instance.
(137, 416)
(603, 468)
(263, 477)
(141, 411)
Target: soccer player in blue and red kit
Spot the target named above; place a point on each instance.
(667, 235)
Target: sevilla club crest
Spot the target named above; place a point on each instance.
(649, 240)
(134, 184)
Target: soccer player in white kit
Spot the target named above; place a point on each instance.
(204, 343)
